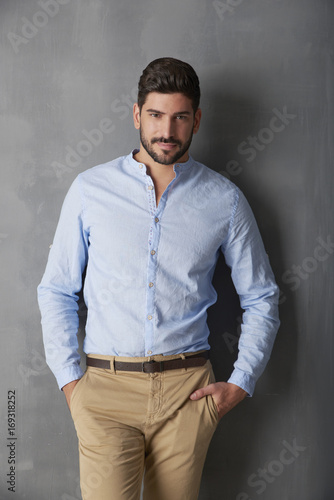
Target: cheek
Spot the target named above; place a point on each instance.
(187, 132)
(149, 129)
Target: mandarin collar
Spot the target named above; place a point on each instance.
(141, 167)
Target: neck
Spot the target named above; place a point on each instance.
(156, 170)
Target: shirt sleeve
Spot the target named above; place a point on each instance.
(258, 293)
(58, 290)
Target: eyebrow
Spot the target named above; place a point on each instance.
(162, 113)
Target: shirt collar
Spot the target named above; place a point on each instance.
(178, 167)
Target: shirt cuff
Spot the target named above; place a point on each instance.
(69, 374)
(244, 380)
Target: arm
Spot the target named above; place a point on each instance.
(255, 284)
(57, 292)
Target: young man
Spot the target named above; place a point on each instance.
(148, 228)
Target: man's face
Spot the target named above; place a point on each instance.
(166, 124)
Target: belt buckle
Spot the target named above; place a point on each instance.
(160, 363)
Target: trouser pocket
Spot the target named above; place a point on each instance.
(77, 389)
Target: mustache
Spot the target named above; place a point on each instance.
(170, 140)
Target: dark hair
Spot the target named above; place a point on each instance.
(167, 76)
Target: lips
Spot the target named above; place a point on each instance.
(166, 145)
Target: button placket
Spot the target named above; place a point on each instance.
(153, 244)
(151, 195)
(150, 294)
(154, 235)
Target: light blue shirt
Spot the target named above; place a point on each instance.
(149, 269)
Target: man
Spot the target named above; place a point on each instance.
(148, 229)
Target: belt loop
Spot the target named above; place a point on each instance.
(112, 365)
(182, 356)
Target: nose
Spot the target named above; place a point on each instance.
(168, 129)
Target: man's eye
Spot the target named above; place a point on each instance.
(155, 115)
(180, 117)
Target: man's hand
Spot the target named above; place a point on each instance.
(68, 389)
(225, 396)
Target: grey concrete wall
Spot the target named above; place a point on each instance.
(266, 69)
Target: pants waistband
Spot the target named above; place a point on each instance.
(151, 364)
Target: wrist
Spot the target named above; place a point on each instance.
(70, 385)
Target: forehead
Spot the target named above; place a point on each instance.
(168, 103)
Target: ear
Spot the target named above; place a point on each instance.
(197, 120)
(136, 116)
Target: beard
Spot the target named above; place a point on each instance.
(165, 158)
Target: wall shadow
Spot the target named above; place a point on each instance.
(230, 459)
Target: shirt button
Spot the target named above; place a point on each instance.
(149, 352)
(151, 284)
(140, 166)
(150, 188)
(156, 219)
(149, 317)
(152, 252)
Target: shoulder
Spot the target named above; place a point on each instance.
(213, 184)
(207, 174)
(102, 172)
(106, 177)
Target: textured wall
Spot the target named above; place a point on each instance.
(69, 67)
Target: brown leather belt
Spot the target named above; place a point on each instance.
(151, 366)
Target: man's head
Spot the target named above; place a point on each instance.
(169, 76)
(167, 112)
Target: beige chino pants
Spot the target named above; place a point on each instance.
(131, 424)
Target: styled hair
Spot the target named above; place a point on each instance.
(167, 76)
